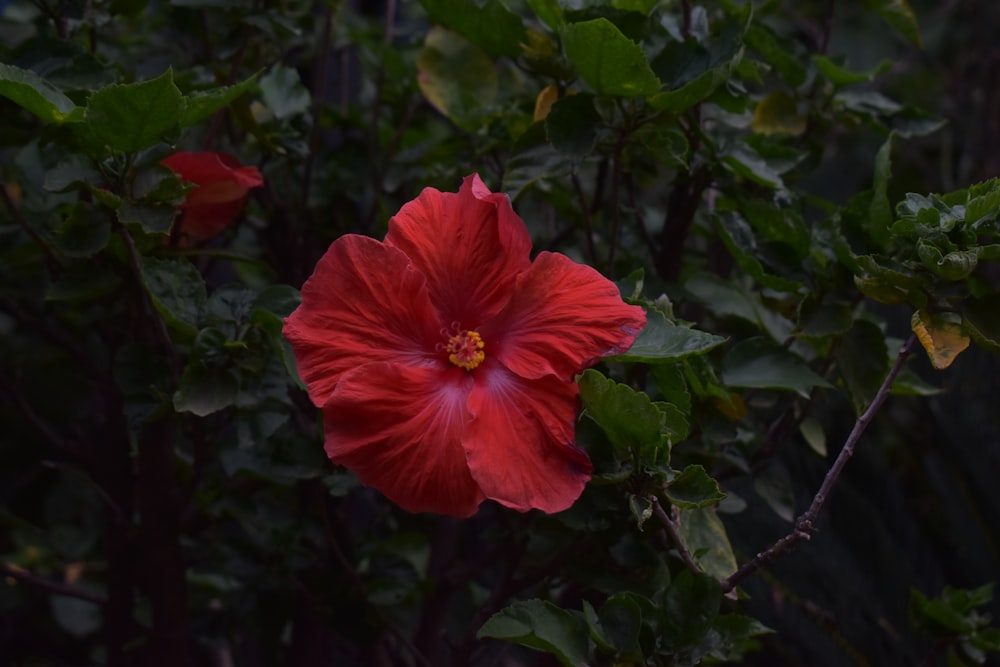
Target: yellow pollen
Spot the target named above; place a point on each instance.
(465, 349)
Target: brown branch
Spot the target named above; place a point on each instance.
(670, 525)
(55, 587)
(805, 524)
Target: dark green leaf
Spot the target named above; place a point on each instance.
(694, 487)
(544, 626)
(705, 537)
(32, 92)
(880, 213)
(153, 218)
(487, 24)
(981, 317)
(205, 389)
(898, 15)
(839, 76)
(84, 232)
(689, 608)
(632, 422)
(759, 363)
(202, 105)
(457, 77)
(610, 62)
(571, 125)
(739, 239)
(621, 621)
(661, 341)
(775, 487)
(863, 362)
(763, 40)
(178, 292)
(130, 117)
(549, 12)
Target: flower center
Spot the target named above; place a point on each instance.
(465, 349)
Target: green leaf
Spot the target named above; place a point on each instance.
(763, 40)
(153, 218)
(203, 104)
(691, 72)
(131, 117)
(456, 77)
(880, 212)
(542, 625)
(549, 12)
(981, 318)
(693, 488)
(283, 92)
(32, 92)
(705, 537)
(84, 232)
(632, 422)
(571, 125)
(205, 389)
(898, 15)
(610, 62)
(661, 341)
(775, 487)
(83, 281)
(621, 622)
(743, 161)
(178, 293)
(689, 609)
(757, 363)
(739, 239)
(863, 362)
(814, 435)
(489, 25)
(839, 76)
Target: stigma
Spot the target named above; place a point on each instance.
(465, 349)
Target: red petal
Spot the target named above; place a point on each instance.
(562, 317)
(363, 303)
(222, 189)
(205, 168)
(400, 429)
(519, 443)
(470, 245)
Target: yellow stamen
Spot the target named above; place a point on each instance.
(465, 349)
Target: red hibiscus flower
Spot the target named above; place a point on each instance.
(443, 358)
(223, 188)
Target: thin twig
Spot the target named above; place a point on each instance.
(56, 587)
(805, 524)
(51, 261)
(670, 525)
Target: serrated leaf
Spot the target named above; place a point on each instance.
(661, 341)
(489, 24)
(201, 105)
(941, 334)
(608, 61)
(693, 488)
(32, 92)
(205, 389)
(541, 625)
(131, 117)
(621, 622)
(632, 422)
(761, 364)
(153, 218)
(705, 537)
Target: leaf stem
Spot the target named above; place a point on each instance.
(805, 524)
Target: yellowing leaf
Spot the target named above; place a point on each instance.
(778, 114)
(545, 100)
(941, 334)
